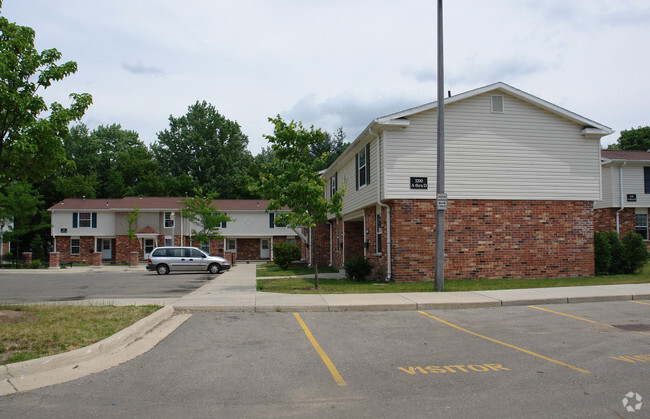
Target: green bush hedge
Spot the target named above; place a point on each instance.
(285, 253)
(358, 268)
(616, 257)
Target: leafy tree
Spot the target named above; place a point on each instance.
(633, 139)
(292, 180)
(132, 221)
(201, 210)
(31, 133)
(113, 163)
(22, 204)
(209, 148)
(329, 148)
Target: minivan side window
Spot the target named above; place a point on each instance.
(196, 253)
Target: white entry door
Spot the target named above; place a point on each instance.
(107, 250)
(265, 252)
(149, 245)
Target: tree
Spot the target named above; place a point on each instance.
(200, 210)
(633, 139)
(22, 204)
(113, 163)
(329, 148)
(209, 148)
(31, 133)
(132, 220)
(292, 180)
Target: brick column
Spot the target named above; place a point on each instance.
(232, 257)
(54, 259)
(97, 259)
(133, 259)
(27, 258)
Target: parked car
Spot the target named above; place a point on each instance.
(166, 259)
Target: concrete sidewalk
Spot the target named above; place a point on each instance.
(235, 290)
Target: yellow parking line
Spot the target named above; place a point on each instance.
(568, 315)
(586, 320)
(330, 366)
(640, 302)
(555, 361)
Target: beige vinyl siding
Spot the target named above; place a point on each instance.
(63, 219)
(523, 153)
(609, 178)
(355, 199)
(251, 224)
(633, 183)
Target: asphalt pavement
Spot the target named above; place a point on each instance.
(235, 291)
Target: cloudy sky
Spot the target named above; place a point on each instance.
(339, 63)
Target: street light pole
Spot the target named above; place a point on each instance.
(441, 196)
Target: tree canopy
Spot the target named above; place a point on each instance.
(291, 179)
(31, 133)
(633, 139)
(207, 147)
(200, 210)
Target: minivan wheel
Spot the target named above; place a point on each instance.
(214, 268)
(162, 269)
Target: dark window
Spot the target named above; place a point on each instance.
(646, 178)
(641, 225)
(169, 221)
(334, 184)
(362, 164)
(75, 246)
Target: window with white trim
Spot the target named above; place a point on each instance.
(205, 246)
(231, 245)
(362, 166)
(169, 241)
(84, 219)
(334, 184)
(641, 224)
(291, 240)
(169, 221)
(75, 246)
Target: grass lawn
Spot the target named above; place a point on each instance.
(271, 269)
(344, 286)
(28, 332)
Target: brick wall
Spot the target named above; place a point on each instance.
(353, 239)
(248, 249)
(121, 249)
(605, 220)
(322, 244)
(486, 239)
(84, 256)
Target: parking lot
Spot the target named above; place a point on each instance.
(105, 283)
(576, 360)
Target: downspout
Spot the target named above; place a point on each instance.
(389, 265)
(620, 185)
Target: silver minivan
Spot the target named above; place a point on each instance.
(177, 258)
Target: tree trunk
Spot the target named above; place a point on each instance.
(314, 260)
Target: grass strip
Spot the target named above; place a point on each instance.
(346, 286)
(271, 269)
(33, 331)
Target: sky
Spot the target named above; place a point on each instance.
(338, 63)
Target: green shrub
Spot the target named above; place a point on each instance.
(635, 252)
(358, 268)
(285, 253)
(34, 264)
(603, 254)
(617, 261)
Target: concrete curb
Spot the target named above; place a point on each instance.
(41, 372)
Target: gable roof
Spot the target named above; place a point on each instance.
(155, 203)
(591, 127)
(608, 156)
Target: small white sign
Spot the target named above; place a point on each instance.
(441, 201)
